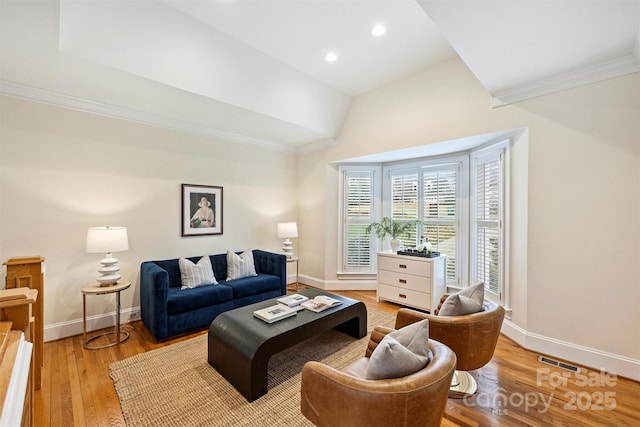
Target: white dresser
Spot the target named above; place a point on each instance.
(410, 280)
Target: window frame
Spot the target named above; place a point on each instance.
(345, 171)
(466, 256)
(501, 151)
(446, 162)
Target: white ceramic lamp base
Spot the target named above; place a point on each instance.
(109, 271)
(287, 248)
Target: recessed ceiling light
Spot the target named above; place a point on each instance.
(378, 30)
(331, 56)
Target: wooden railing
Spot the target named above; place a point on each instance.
(17, 334)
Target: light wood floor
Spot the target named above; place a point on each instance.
(514, 388)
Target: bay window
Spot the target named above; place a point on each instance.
(459, 198)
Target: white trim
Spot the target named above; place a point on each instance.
(506, 228)
(350, 285)
(45, 96)
(340, 285)
(582, 355)
(595, 73)
(70, 328)
(316, 145)
(491, 151)
(357, 276)
(291, 279)
(343, 172)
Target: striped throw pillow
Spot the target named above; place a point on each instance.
(239, 266)
(194, 275)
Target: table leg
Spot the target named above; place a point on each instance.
(118, 316)
(84, 318)
(115, 331)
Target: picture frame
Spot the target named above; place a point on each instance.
(201, 210)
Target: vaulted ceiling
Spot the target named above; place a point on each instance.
(255, 72)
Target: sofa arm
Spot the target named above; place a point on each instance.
(154, 292)
(272, 263)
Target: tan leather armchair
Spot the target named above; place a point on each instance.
(344, 398)
(472, 337)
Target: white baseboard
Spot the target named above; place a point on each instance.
(70, 328)
(340, 285)
(581, 355)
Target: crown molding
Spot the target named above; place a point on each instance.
(319, 145)
(45, 96)
(595, 73)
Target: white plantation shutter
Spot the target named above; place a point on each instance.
(404, 194)
(358, 212)
(440, 213)
(487, 213)
(404, 202)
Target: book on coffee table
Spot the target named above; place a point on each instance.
(320, 303)
(274, 313)
(292, 300)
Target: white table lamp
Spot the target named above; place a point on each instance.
(287, 230)
(107, 240)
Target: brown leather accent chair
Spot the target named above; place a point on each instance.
(472, 337)
(344, 398)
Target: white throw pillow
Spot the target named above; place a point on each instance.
(239, 266)
(194, 275)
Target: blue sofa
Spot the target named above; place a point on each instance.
(167, 310)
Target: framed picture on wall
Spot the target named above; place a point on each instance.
(201, 210)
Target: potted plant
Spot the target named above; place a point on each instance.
(394, 229)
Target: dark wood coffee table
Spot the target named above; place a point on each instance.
(240, 345)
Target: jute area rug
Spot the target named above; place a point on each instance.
(175, 386)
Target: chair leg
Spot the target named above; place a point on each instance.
(462, 384)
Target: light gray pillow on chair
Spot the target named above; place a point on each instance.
(400, 353)
(467, 301)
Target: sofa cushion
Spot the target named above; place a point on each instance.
(173, 270)
(219, 263)
(254, 285)
(196, 274)
(239, 266)
(180, 301)
(467, 301)
(400, 353)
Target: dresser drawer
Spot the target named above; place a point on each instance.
(405, 296)
(406, 281)
(408, 266)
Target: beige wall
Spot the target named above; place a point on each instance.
(63, 171)
(575, 200)
(575, 204)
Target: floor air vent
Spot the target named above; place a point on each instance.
(562, 365)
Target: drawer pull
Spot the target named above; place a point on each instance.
(402, 281)
(402, 295)
(403, 266)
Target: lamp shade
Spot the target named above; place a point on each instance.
(287, 230)
(107, 240)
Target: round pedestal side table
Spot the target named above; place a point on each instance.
(104, 290)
